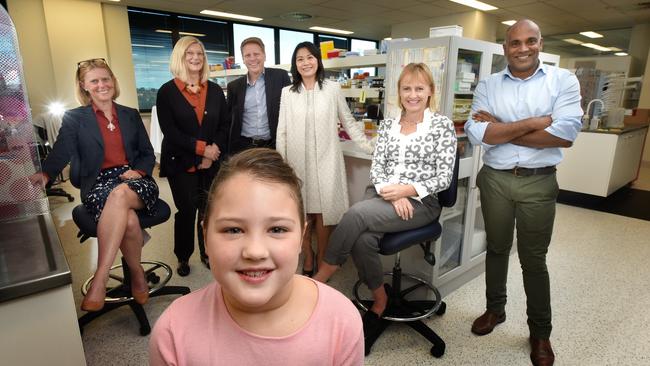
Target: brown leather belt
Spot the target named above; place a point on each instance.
(527, 172)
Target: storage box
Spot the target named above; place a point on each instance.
(466, 76)
(639, 116)
(449, 30)
(325, 47)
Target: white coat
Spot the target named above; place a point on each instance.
(330, 108)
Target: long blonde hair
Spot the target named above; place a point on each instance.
(83, 67)
(177, 62)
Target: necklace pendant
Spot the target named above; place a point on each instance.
(111, 126)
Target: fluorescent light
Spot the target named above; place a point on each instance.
(615, 49)
(387, 39)
(331, 30)
(230, 15)
(591, 34)
(509, 22)
(146, 45)
(181, 33)
(475, 4)
(621, 54)
(595, 46)
(222, 52)
(572, 41)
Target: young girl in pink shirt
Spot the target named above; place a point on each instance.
(258, 311)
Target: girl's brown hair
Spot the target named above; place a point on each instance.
(265, 165)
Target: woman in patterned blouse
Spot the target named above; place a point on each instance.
(413, 160)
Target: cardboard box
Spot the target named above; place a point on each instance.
(450, 30)
(640, 116)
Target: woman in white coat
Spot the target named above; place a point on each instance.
(307, 138)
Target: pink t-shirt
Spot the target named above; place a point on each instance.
(197, 329)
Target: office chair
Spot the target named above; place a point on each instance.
(43, 148)
(412, 311)
(156, 273)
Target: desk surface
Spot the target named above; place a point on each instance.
(618, 131)
(31, 257)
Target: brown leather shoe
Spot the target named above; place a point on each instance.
(485, 323)
(541, 352)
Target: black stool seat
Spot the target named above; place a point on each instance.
(392, 243)
(156, 273)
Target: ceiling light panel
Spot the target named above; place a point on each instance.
(331, 30)
(509, 22)
(591, 34)
(572, 41)
(595, 47)
(475, 4)
(222, 14)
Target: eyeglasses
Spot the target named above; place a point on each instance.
(91, 61)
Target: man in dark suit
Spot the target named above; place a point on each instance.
(254, 100)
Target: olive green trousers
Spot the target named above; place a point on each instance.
(527, 204)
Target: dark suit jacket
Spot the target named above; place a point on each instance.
(80, 142)
(274, 81)
(181, 128)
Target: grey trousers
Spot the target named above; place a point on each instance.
(362, 227)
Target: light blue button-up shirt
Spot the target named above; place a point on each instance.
(255, 120)
(549, 91)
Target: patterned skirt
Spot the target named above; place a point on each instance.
(145, 187)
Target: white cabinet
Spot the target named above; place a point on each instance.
(600, 163)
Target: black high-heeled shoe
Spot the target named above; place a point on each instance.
(183, 268)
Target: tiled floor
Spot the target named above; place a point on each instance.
(599, 276)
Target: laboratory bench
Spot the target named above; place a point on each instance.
(37, 309)
(602, 161)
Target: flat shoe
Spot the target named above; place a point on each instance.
(88, 305)
(373, 327)
(183, 268)
(141, 297)
(485, 323)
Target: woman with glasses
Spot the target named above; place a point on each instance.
(192, 114)
(308, 137)
(111, 161)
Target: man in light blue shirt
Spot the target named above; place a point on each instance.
(522, 116)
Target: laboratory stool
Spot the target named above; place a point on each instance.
(118, 289)
(402, 307)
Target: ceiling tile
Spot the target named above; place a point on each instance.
(428, 10)
(391, 4)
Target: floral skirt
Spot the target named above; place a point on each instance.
(145, 187)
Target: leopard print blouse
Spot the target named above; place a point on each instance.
(424, 159)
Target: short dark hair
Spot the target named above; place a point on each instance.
(295, 75)
(263, 164)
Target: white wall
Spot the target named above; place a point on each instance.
(56, 34)
(476, 25)
(604, 63)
